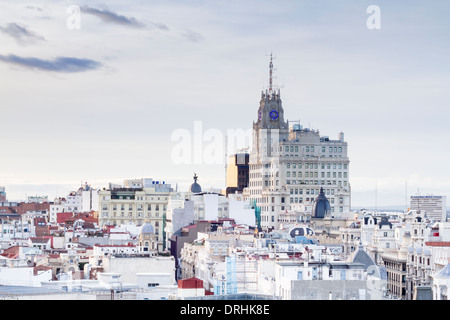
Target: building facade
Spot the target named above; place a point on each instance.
(134, 205)
(434, 206)
(289, 164)
(237, 173)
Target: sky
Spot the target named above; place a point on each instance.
(100, 92)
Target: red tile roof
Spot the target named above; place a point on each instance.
(39, 239)
(438, 243)
(41, 268)
(191, 283)
(11, 252)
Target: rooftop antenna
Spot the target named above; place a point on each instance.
(226, 158)
(406, 194)
(271, 73)
(376, 193)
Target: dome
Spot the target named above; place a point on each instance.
(361, 256)
(147, 228)
(195, 187)
(321, 206)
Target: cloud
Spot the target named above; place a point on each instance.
(160, 26)
(42, 11)
(111, 17)
(21, 34)
(192, 36)
(59, 64)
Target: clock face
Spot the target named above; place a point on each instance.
(273, 115)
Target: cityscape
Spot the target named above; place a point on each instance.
(153, 186)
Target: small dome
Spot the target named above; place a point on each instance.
(195, 187)
(321, 206)
(147, 228)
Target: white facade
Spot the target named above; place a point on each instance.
(434, 206)
(180, 213)
(383, 240)
(23, 276)
(130, 267)
(210, 206)
(241, 210)
(289, 164)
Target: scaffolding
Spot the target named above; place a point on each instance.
(246, 274)
(231, 275)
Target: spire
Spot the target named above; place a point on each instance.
(270, 74)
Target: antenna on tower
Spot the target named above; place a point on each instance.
(271, 73)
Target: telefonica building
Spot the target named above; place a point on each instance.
(289, 164)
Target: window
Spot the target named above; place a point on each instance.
(152, 285)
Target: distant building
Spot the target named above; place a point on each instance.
(2, 194)
(435, 206)
(237, 173)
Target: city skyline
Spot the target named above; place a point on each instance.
(100, 103)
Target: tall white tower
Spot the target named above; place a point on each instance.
(289, 164)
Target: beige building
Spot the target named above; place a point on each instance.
(135, 203)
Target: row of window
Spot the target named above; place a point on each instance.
(132, 197)
(130, 214)
(311, 149)
(315, 174)
(139, 207)
(265, 218)
(313, 165)
(327, 192)
(318, 182)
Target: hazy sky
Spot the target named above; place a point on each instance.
(100, 102)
